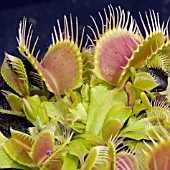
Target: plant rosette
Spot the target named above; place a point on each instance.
(99, 105)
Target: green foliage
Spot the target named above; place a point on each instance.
(91, 109)
(16, 77)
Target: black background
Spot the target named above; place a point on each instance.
(43, 14)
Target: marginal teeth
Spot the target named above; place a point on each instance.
(120, 37)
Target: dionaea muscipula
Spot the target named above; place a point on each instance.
(62, 66)
(120, 45)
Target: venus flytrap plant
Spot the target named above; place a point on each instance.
(35, 113)
(14, 73)
(156, 154)
(110, 56)
(61, 46)
(40, 150)
(16, 77)
(92, 108)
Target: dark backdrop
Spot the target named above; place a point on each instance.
(43, 14)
